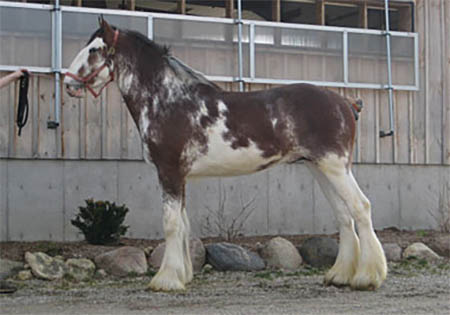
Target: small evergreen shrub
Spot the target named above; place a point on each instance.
(101, 222)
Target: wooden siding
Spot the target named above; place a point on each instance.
(103, 129)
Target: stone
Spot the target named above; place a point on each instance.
(9, 268)
(123, 261)
(24, 275)
(80, 269)
(281, 253)
(392, 251)
(421, 251)
(196, 248)
(101, 274)
(441, 245)
(45, 267)
(230, 257)
(319, 251)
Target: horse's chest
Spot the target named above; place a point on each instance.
(221, 158)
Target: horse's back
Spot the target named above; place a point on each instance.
(255, 130)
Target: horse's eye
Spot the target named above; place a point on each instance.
(93, 50)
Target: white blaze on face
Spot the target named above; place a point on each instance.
(144, 122)
(81, 60)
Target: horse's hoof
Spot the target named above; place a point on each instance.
(166, 284)
(364, 282)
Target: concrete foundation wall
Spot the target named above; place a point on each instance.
(38, 198)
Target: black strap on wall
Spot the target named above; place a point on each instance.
(22, 109)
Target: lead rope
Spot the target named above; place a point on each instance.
(22, 110)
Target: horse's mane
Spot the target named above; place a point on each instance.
(184, 70)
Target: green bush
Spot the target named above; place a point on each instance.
(101, 222)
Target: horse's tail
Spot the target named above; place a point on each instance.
(356, 106)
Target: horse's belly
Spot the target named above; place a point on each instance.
(221, 159)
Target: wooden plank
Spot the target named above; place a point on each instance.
(113, 107)
(181, 6)
(445, 20)
(367, 128)
(47, 139)
(93, 124)
(435, 99)
(5, 109)
(386, 143)
(401, 135)
(70, 126)
(276, 10)
(229, 9)
(419, 111)
(320, 12)
(363, 16)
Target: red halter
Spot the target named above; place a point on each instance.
(85, 80)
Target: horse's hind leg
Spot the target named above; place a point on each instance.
(344, 268)
(372, 268)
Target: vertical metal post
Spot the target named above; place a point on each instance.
(150, 27)
(56, 62)
(345, 55)
(251, 42)
(389, 69)
(240, 59)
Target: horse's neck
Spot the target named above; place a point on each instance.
(161, 89)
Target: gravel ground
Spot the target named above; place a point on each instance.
(412, 287)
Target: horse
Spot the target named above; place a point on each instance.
(190, 128)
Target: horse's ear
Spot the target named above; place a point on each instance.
(108, 31)
(100, 21)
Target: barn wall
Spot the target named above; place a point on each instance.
(38, 198)
(102, 128)
(96, 152)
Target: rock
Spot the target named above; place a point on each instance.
(24, 275)
(9, 268)
(421, 251)
(281, 253)
(226, 256)
(441, 245)
(207, 268)
(196, 248)
(80, 269)
(319, 251)
(45, 267)
(148, 251)
(123, 261)
(101, 273)
(392, 251)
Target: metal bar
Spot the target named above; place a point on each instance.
(56, 63)
(345, 55)
(29, 68)
(240, 59)
(389, 69)
(252, 50)
(150, 33)
(26, 5)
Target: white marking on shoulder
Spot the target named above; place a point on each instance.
(144, 123)
(222, 107)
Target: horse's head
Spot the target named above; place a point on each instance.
(93, 67)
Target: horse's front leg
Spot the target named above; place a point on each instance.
(176, 267)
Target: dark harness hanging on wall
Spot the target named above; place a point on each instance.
(22, 109)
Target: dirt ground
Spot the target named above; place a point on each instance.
(412, 287)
